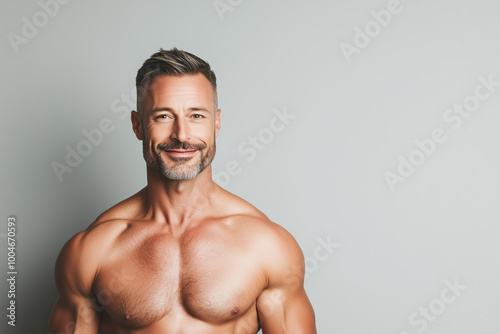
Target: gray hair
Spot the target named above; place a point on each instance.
(171, 62)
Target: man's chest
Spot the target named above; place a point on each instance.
(213, 278)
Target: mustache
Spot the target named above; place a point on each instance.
(181, 146)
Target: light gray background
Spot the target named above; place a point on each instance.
(322, 175)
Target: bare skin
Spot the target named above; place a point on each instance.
(181, 256)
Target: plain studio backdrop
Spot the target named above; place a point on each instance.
(368, 129)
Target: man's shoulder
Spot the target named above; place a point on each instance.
(93, 241)
(269, 236)
(81, 256)
(278, 253)
(101, 233)
(241, 214)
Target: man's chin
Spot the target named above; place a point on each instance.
(181, 177)
(180, 174)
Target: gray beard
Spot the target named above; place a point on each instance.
(181, 170)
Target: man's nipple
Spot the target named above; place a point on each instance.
(235, 311)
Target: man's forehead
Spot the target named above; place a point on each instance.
(165, 88)
(178, 82)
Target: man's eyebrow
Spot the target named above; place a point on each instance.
(189, 109)
(198, 109)
(162, 109)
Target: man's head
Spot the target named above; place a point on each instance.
(177, 117)
(171, 62)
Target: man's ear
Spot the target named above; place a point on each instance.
(136, 124)
(217, 122)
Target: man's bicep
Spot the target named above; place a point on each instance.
(74, 315)
(286, 311)
(75, 310)
(283, 305)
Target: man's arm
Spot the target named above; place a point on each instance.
(75, 310)
(283, 305)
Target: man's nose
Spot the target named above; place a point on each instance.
(181, 131)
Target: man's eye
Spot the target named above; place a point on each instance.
(162, 117)
(197, 116)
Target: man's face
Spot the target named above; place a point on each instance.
(178, 126)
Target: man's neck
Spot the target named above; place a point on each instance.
(176, 202)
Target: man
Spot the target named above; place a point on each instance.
(182, 255)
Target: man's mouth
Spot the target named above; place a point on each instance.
(181, 153)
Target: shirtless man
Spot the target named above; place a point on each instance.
(182, 255)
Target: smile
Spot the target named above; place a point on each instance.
(180, 153)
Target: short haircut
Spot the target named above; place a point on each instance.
(171, 62)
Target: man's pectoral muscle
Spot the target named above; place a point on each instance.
(222, 275)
